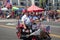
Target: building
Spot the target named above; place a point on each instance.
(51, 4)
(20, 3)
(1, 2)
(24, 3)
(54, 4)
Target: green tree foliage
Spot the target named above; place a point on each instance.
(42, 3)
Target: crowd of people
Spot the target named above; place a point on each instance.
(13, 14)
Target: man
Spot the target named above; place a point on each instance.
(26, 20)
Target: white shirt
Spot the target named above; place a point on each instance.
(25, 19)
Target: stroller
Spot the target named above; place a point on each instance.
(31, 34)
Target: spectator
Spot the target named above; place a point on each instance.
(1, 14)
(35, 16)
(12, 14)
(56, 14)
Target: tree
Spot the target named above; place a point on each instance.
(43, 3)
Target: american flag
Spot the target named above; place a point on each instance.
(18, 23)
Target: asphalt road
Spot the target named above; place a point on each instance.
(8, 32)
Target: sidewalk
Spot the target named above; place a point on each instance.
(51, 23)
(8, 20)
(14, 21)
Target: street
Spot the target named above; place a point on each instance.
(44, 15)
(8, 32)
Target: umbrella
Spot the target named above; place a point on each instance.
(15, 8)
(58, 11)
(34, 8)
(4, 9)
